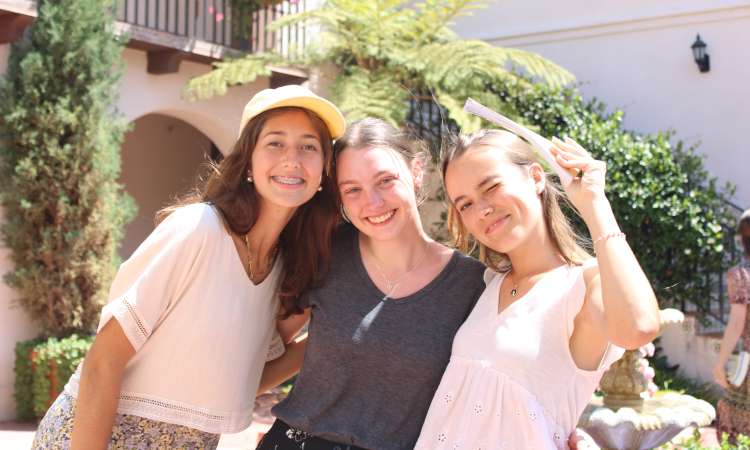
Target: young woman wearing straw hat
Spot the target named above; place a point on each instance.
(191, 315)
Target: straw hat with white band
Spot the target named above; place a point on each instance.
(298, 96)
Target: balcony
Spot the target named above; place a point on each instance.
(171, 31)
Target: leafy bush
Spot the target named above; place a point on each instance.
(59, 147)
(743, 443)
(42, 369)
(672, 211)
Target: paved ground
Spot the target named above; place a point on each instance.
(18, 436)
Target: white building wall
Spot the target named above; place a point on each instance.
(143, 93)
(696, 355)
(636, 56)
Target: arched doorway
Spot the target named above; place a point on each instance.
(161, 157)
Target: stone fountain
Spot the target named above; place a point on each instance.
(624, 420)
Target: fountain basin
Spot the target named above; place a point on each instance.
(658, 422)
(624, 420)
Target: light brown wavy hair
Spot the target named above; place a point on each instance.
(305, 240)
(568, 243)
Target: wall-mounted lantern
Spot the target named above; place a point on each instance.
(699, 53)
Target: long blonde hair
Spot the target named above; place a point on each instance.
(568, 243)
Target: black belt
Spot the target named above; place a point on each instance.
(283, 437)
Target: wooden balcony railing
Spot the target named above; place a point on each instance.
(217, 22)
(202, 31)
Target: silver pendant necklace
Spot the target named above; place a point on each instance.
(514, 291)
(391, 283)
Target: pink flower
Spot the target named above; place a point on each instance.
(649, 373)
(652, 388)
(211, 9)
(219, 17)
(642, 365)
(648, 349)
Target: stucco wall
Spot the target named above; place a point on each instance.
(160, 158)
(15, 326)
(696, 355)
(636, 56)
(143, 93)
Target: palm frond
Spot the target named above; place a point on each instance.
(437, 15)
(451, 64)
(362, 94)
(227, 73)
(367, 31)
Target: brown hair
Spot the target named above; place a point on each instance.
(305, 240)
(744, 230)
(567, 242)
(371, 132)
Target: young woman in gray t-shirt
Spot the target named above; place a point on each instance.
(382, 324)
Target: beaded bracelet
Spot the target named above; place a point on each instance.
(622, 235)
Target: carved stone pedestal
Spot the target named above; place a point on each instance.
(623, 420)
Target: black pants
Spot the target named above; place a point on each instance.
(283, 437)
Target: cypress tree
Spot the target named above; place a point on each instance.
(60, 138)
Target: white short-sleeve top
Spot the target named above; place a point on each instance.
(201, 329)
(512, 383)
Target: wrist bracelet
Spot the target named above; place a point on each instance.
(622, 235)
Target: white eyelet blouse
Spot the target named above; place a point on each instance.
(201, 329)
(512, 382)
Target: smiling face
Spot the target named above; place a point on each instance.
(378, 191)
(287, 161)
(498, 201)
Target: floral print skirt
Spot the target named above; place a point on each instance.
(129, 432)
(733, 411)
(283, 437)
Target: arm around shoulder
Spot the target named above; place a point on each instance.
(284, 367)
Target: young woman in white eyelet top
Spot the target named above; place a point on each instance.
(192, 314)
(530, 354)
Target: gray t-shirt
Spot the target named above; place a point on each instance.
(373, 363)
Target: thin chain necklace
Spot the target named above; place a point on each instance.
(514, 292)
(250, 258)
(390, 283)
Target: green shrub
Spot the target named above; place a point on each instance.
(43, 366)
(60, 158)
(743, 443)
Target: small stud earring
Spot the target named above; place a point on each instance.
(250, 179)
(320, 188)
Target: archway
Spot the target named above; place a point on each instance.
(161, 157)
